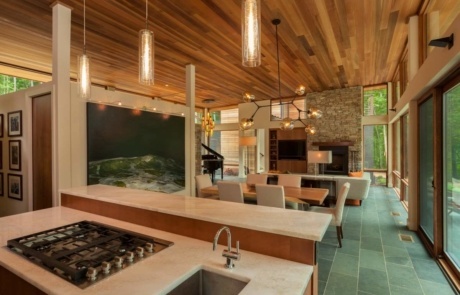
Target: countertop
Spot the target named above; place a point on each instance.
(157, 274)
(292, 223)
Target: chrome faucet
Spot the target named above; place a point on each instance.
(229, 254)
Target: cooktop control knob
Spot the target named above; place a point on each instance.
(129, 256)
(91, 274)
(105, 267)
(118, 261)
(140, 252)
(149, 247)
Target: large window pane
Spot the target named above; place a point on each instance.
(9, 84)
(281, 109)
(451, 173)
(375, 147)
(375, 100)
(226, 143)
(426, 160)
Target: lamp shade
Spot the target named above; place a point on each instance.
(248, 140)
(319, 156)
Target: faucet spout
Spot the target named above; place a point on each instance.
(229, 238)
(228, 254)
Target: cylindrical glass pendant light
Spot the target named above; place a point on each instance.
(84, 74)
(146, 52)
(250, 32)
(84, 77)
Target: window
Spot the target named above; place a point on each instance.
(375, 147)
(375, 100)
(225, 116)
(9, 84)
(285, 109)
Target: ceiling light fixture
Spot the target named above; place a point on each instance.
(84, 74)
(287, 123)
(146, 52)
(250, 32)
(207, 124)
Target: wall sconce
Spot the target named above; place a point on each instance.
(443, 42)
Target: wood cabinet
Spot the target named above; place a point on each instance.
(277, 164)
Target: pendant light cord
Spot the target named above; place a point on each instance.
(84, 26)
(146, 14)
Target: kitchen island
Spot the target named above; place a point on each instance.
(157, 274)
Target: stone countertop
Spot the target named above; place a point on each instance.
(157, 274)
(292, 223)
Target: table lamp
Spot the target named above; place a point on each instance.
(319, 157)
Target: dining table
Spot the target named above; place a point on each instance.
(313, 196)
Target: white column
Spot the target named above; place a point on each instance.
(61, 100)
(190, 130)
(390, 136)
(413, 45)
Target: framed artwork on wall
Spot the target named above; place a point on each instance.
(15, 186)
(15, 155)
(1, 184)
(1, 125)
(15, 124)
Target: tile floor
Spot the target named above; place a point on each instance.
(373, 259)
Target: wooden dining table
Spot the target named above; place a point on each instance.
(313, 196)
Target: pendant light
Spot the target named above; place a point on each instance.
(84, 76)
(250, 32)
(146, 52)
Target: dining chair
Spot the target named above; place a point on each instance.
(270, 195)
(293, 181)
(289, 180)
(337, 211)
(253, 179)
(230, 191)
(202, 181)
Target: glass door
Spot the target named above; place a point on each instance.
(451, 174)
(426, 164)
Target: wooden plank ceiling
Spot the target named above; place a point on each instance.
(324, 44)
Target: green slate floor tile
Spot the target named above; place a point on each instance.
(372, 259)
(428, 270)
(324, 268)
(326, 251)
(373, 281)
(345, 264)
(350, 247)
(435, 288)
(397, 255)
(340, 284)
(371, 243)
(396, 290)
(403, 276)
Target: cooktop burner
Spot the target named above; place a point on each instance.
(86, 252)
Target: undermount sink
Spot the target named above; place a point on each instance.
(204, 282)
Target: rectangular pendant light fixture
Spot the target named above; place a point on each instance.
(146, 52)
(84, 74)
(250, 32)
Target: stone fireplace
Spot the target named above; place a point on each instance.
(339, 165)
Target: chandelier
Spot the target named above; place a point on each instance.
(207, 124)
(287, 123)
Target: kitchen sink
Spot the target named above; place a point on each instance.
(204, 282)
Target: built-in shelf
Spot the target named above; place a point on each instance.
(295, 166)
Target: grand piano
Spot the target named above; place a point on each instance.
(212, 161)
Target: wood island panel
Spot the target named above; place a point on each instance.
(12, 284)
(284, 247)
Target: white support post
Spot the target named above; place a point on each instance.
(190, 149)
(61, 100)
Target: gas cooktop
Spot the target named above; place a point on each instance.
(86, 252)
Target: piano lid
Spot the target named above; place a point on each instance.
(211, 151)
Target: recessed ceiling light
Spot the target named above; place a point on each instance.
(208, 100)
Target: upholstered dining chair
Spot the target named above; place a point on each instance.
(289, 180)
(202, 181)
(230, 191)
(270, 195)
(256, 179)
(293, 181)
(337, 211)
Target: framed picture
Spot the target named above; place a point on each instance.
(15, 155)
(15, 123)
(1, 125)
(15, 186)
(1, 184)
